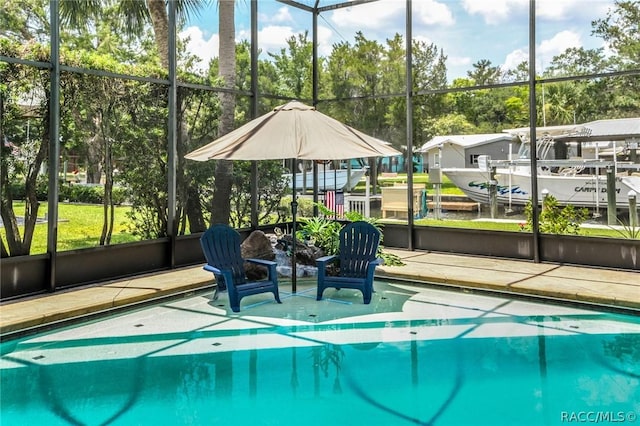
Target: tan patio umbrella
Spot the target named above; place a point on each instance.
(297, 131)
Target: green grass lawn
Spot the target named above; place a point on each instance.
(80, 226)
(608, 232)
(447, 188)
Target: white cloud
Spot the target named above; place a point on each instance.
(545, 51)
(557, 10)
(282, 16)
(270, 39)
(556, 45)
(199, 45)
(494, 11)
(423, 39)
(515, 58)
(457, 61)
(554, 9)
(274, 37)
(325, 41)
(431, 12)
(369, 15)
(382, 13)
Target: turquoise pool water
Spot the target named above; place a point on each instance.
(415, 356)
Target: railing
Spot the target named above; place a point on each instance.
(358, 203)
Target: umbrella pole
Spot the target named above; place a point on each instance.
(294, 211)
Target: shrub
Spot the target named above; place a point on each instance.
(325, 233)
(86, 194)
(556, 220)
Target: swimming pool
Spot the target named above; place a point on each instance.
(416, 355)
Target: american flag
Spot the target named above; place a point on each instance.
(334, 201)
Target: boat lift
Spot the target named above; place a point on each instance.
(611, 168)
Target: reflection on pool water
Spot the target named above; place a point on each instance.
(416, 355)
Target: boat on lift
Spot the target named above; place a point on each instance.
(579, 182)
(329, 179)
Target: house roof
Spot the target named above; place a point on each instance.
(609, 130)
(553, 131)
(465, 141)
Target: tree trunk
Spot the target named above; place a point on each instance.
(194, 210)
(107, 202)
(221, 209)
(94, 156)
(160, 22)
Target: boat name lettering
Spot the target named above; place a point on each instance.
(589, 189)
(501, 189)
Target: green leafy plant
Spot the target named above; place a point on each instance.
(322, 231)
(325, 233)
(556, 220)
(628, 230)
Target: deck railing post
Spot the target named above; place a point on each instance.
(633, 210)
(612, 218)
(493, 194)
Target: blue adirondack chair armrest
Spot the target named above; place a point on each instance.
(213, 269)
(371, 267)
(271, 268)
(270, 264)
(262, 262)
(324, 260)
(226, 274)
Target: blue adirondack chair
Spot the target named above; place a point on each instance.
(357, 257)
(221, 247)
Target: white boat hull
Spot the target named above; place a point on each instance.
(329, 180)
(515, 187)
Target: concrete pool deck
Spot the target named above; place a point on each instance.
(605, 287)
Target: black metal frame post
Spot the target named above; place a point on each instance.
(54, 143)
(254, 108)
(533, 115)
(172, 138)
(409, 106)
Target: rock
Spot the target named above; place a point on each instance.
(305, 255)
(256, 246)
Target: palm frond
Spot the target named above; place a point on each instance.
(77, 14)
(135, 14)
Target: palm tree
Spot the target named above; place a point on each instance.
(220, 208)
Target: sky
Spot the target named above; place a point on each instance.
(466, 30)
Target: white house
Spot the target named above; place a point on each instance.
(463, 150)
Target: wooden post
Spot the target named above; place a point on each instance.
(612, 218)
(493, 194)
(633, 210)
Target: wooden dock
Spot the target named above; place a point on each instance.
(457, 203)
(459, 206)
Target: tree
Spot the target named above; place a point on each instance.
(429, 73)
(577, 61)
(24, 135)
(452, 124)
(484, 73)
(220, 208)
(271, 189)
(621, 31)
(294, 67)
